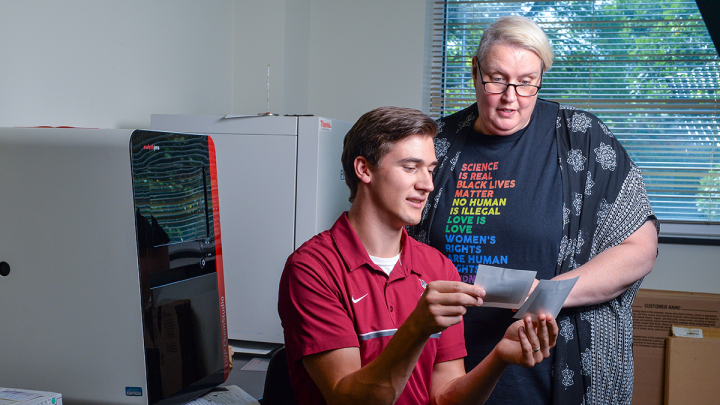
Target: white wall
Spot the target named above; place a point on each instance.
(362, 58)
(110, 64)
(334, 58)
(690, 268)
(259, 41)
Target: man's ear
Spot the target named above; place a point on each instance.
(362, 169)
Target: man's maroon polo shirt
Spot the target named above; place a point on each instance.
(333, 296)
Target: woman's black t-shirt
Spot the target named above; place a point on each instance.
(504, 208)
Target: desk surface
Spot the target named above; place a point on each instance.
(251, 382)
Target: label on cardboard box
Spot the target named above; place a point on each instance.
(687, 332)
(692, 332)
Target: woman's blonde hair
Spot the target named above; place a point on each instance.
(520, 32)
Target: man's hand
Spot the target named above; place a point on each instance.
(443, 305)
(526, 344)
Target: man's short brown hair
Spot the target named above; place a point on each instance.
(374, 134)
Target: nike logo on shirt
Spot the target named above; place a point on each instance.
(355, 301)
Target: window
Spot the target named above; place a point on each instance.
(647, 68)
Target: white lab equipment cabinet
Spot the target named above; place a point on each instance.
(111, 282)
(282, 183)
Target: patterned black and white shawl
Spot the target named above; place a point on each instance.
(604, 202)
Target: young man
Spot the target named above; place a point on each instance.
(370, 315)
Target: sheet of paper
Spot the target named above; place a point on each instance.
(227, 117)
(229, 395)
(547, 298)
(504, 288)
(248, 350)
(256, 364)
(18, 395)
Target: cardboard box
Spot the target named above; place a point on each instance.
(654, 313)
(692, 357)
(12, 396)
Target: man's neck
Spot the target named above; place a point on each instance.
(379, 238)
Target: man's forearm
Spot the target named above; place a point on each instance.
(474, 387)
(522, 345)
(382, 380)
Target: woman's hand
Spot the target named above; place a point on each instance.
(526, 343)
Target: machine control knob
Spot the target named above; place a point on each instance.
(4, 269)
